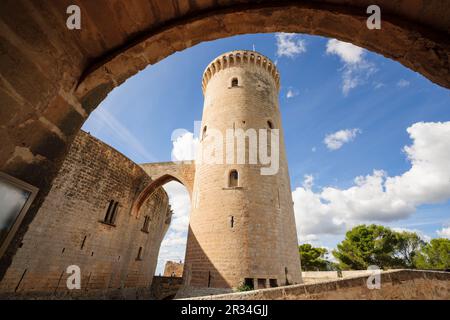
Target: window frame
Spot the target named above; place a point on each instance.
(15, 182)
(111, 213)
(204, 131)
(146, 225)
(139, 255)
(233, 171)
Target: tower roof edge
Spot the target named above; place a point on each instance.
(237, 57)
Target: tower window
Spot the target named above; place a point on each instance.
(234, 82)
(111, 213)
(273, 283)
(248, 282)
(204, 132)
(286, 273)
(270, 124)
(233, 179)
(139, 255)
(83, 243)
(232, 221)
(145, 227)
(261, 283)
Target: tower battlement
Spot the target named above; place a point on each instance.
(236, 58)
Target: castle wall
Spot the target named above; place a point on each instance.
(173, 269)
(247, 231)
(182, 172)
(68, 230)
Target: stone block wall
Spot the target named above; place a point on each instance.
(117, 260)
(173, 269)
(165, 288)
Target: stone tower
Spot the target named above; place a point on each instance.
(242, 227)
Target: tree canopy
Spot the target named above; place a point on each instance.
(313, 259)
(367, 245)
(434, 255)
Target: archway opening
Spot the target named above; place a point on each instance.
(173, 247)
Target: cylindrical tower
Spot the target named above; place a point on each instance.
(242, 227)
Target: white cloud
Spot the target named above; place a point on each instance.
(289, 45)
(336, 140)
(356, 69)
(403, 83)
(309, 238)
(444, 233)
(291, 93)
(184, 147)
(378, 85)
(308, 181)
(349, 53)
(173, 247)
(378, 197)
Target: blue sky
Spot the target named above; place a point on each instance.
(345, 113)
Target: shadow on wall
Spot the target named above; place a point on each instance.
(86, 221)
(206, 277)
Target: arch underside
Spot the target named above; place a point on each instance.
(410, 44)
(162, 173)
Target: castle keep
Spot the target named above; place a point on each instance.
(242, 228)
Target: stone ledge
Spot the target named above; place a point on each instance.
(355, 288)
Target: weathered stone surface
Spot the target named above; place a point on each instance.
(67, 230)
(41, 59)
(395, 285)
(234, 231)
(173, 269)
(165, 288)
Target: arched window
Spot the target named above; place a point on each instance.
(270, 124)
(204, 132)
(234, 82)
(111, 213)
(233, 179)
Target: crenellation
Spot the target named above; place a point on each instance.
(237, 58)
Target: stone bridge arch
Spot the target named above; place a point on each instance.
(162, 173)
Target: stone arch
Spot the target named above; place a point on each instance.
(162, 173)
(52, 78)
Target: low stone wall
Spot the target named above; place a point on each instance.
(395, 285)
(319, 276)
(164, 288)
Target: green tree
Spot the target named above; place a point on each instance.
(313, 259)
(434, 255)
(368, 245)
(407, 247)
